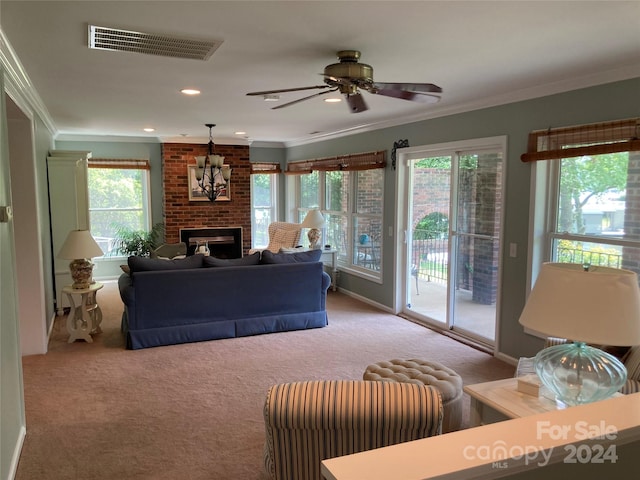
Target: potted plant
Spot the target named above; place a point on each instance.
(139, 243)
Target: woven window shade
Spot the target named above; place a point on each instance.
(594, 139)
(354, 161)
(265, 168)
(120, 164)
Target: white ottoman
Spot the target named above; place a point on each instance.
(448, 382)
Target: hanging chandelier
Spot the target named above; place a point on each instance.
(212, 175)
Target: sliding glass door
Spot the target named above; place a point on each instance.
(453, 228)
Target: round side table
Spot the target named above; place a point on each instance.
(86, 317)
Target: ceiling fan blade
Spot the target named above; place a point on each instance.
(356, 103)
(304, 98)
(284, 90)
(409, 87)
(415, 92)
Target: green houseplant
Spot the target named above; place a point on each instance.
(137, 242)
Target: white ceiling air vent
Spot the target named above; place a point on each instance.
(106, 38)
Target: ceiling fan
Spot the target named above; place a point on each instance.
(349, 77)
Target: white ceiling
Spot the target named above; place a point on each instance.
(480, 53)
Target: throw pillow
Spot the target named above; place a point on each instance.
(269, 257)
(292, 249)
(283, 238)
(145, 264)
(253, 259)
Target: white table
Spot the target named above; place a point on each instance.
(85, 317)
(500, 400)
(472, 453)
(330, 257)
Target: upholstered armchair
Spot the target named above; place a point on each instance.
(630, 357)
(281, 235)
(307, 422)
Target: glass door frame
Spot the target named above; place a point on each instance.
(403, 206)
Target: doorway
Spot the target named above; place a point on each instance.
(452, 219)
(32, 311)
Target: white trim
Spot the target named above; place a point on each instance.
(506, 358)
(19, 86)
(17, 450)
(366, 300)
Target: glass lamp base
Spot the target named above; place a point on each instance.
(578, 373)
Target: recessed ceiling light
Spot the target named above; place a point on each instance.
(149, 129)
(240, 133)
(190, 91)
(332, 100)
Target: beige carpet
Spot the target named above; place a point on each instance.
(194, 411)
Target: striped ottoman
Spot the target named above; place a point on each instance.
(448, 383)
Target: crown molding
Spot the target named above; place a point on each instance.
(19, 86)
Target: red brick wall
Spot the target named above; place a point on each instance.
(179, 212)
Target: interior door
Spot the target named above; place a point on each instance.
(453, 227)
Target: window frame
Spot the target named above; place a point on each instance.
(273, 183)
(124, 164)
(345, 259)
(549, 145)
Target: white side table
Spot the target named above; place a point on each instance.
(85, 317)
(500, 400)
(330, 257)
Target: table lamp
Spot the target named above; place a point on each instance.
(314, 221)
(584, 304)
(80, 248)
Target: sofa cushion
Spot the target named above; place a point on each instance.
(269, 257)
(253, 259)
(145, 264)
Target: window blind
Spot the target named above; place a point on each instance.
(593, 139)
(119, 163)
(354, 161)
(265, 168)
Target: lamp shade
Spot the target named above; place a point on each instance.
(80, 244)
(598, 305)
(314, 219)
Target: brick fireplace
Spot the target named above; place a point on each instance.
(180, 213)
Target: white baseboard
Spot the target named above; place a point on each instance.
(366, 300)
(15, 458)
(506, 358)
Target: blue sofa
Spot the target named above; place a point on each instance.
(198, 298)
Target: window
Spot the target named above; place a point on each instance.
(593, 211)
(263, 207)
(264, 194)
(592, 195)
(118, 197)
(350, 193)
